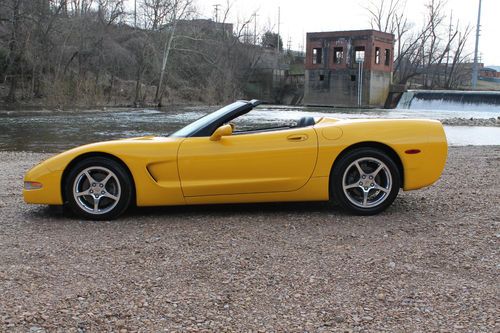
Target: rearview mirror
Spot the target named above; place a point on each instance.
(224, 130)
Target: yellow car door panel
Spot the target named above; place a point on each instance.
(242, 163)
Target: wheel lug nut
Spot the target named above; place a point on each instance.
(363, 177)
(366, 188)
(371, 177)
(100, 185)
(102, 192)
(372, 185)
(91, 191)
(360, 183)
(93, 184)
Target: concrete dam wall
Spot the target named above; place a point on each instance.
(450, 100)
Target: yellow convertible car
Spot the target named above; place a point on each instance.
(360, 164)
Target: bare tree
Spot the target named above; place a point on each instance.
(421, 52)
(84, 51)
(155, 13)
(16, 13)
(179, 9)
(384, 14)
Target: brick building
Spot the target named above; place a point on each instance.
(491, 72)
(332, 67)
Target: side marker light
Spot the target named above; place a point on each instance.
(32, 185)
(412, 151)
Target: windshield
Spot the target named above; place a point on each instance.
(205, 120)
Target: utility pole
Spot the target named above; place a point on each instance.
(277, 71)
(246, 38)
(255, 29)
(360, 59)
(278, 35)
(360, 81)
(135, 13)
(475, 69)
(216, 9)
(303, 48)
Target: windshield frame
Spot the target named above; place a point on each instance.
(207, 124)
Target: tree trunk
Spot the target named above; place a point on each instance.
(11, 97)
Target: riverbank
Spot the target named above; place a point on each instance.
(97, 106)
(429, 263)
(488, 122)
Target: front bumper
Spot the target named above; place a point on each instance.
(50, 192)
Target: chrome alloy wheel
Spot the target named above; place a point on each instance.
(96, 190)
(367, 182)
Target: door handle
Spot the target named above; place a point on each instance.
(297, 137)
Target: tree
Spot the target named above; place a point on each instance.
(85, 52)
(17, 10)
(269, 40)
(179, 9)
(433, 52)
(155, 13)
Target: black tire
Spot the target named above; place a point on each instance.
(101, 180)
(353, 189)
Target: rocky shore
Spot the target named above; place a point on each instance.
(430, 263)
(489, 122)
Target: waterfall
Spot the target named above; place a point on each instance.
(450, 100)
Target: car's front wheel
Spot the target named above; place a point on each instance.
(365, 181)
(98, 188)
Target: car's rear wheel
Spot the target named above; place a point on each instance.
(98, 188)
(365, 181)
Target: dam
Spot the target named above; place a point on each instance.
(452, 100)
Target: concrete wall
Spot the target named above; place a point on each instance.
(336, 88)
(379, 86)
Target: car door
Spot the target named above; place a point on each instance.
(245, 163)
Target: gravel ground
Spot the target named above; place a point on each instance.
(489, 122)
(428, 264)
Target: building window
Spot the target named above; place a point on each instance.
(359, 53)
(338, 55)
(377, 55)
(353, 78)
(317, 54)
(322, 77)
(387, 57)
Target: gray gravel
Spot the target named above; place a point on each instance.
(488, 122)
(428, 264)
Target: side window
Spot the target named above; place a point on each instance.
(359, 53)
(338, 55)
(387, 57)
(317, 55)
(377, 55)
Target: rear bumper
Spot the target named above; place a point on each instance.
(424, 169)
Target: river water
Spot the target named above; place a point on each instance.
(54, 131)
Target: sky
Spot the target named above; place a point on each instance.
(299, 17)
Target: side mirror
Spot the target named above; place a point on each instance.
(224, 130)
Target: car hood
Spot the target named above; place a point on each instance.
(119, 148)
